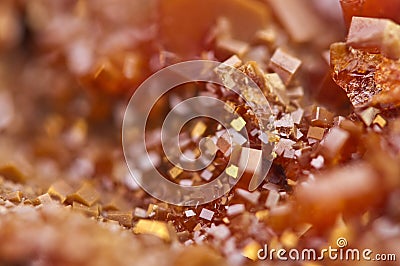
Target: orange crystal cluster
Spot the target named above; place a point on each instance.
(367, 66)
(67, 68)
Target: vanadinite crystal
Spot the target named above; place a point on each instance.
(354, 71)
(367, 66)
(326, 122)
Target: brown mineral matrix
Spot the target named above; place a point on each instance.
(67, 197)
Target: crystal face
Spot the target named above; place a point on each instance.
(354, 71)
